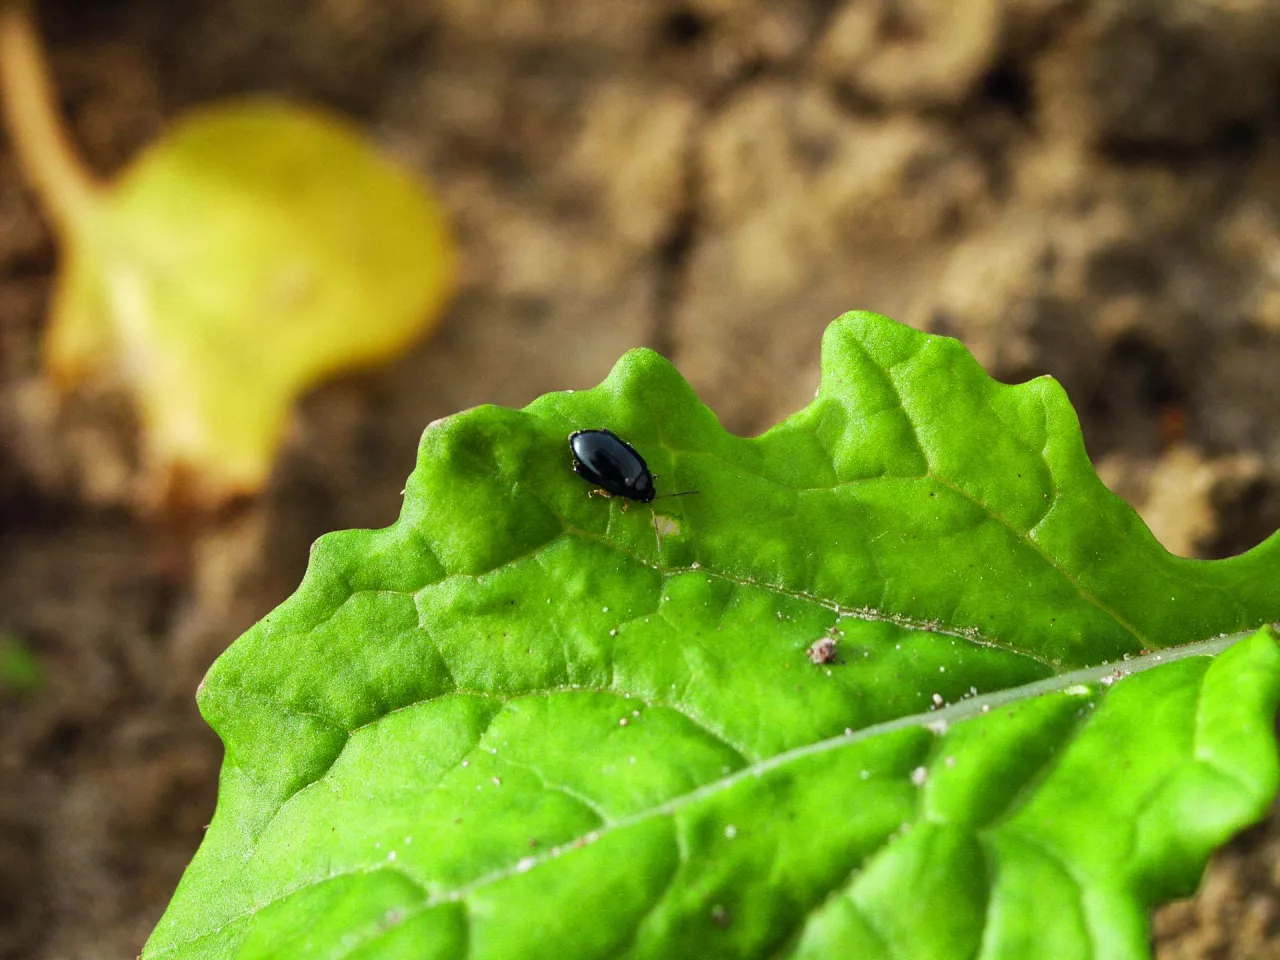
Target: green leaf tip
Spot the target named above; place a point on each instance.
(525, 720)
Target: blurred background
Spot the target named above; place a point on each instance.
(1085, 188)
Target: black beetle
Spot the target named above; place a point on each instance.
(604, 459)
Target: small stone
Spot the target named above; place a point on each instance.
(822, 650)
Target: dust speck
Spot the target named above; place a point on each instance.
(822, 650)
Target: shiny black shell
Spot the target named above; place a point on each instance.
(602, 458)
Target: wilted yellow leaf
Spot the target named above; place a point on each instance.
(253, 250)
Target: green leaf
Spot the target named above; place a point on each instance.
(524, 722)
(20, 671)
(256, 249)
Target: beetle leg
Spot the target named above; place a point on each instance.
(599, 493)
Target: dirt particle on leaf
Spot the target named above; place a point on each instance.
(919, 775)
(822, 650)
(720, 916)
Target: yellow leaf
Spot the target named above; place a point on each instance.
(254, 250)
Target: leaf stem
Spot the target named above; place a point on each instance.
(51, 162)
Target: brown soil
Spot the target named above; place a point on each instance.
(1088, 188)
